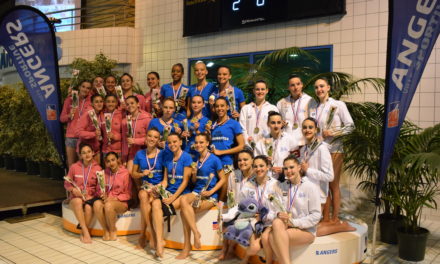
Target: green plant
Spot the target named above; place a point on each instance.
(269, 69)
(418, 175)
(362, 151)
(101, 66)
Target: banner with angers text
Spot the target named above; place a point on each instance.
(29, 38)
(412, 32)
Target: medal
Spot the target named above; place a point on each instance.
(151, 168)
(256, 130)
(295, 125)
(173, 181)
(173, 171)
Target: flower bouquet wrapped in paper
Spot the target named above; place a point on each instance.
(164, 194)
(119, 93)
(155, 95)
(166, 132)
(182, 96)
(108, 125)
(331, 115)
(129, 127)
(220, 219)
(74, 78)
(278, 204)
(197, 201)
(268, 143)
(101, 91)
(69, 180)
(101, 181)
(94, 118)
(75, 99)
(310, 149)
(231, 199)
(231, 97)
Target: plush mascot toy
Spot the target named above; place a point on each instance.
(243, 221)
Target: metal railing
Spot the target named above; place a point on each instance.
(100, 16)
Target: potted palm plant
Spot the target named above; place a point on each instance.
(417, 189)
(362, 151)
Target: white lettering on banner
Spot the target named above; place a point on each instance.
(424, 29)
(24, 54)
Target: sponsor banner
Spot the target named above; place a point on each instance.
(412, 32)
(29, 40)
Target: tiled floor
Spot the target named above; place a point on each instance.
(43, 240)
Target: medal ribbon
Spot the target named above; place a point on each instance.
(318, 115)
(82, 107)
(197, 90)
(260, 194)
(134, 126)
(258, 112)
(200, 164)
(148, 161)
(215, 124)
(291, 197)
(110, 186)
(173, 171)
(86, 176)
(295, 113)
(176, 93)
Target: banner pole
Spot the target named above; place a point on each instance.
(373, 246)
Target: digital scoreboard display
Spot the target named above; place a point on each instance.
(241, 13)
(204, 16)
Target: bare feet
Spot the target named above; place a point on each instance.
(152, 243)
(106, 236)
(113, 236)
(183, 255)
(159, 249)
(86, 239)
(347, 227)
(142, 242)
(197, 243)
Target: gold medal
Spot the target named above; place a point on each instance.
(256, 130)
(295, 125)
(173, 181)
(150, 175)
(176, 103)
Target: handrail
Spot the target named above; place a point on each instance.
(108, 15)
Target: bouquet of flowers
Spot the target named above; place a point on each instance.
(74, 79)
(69, 180)
(230, 199)
(101, 91)
(331, 115)
(119, 93)
(108, 124)
(101, 180)
(311, 149)
(231, 97)
(166, 132)
(268, 143)
(145, 185)
(182, 96)
(75, 99)
(220, 219)
(164, 194)
(129, 126)
(155, 93)
(197, 201)
(94, 118)
(277, 203)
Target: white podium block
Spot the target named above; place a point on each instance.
(127, 223)
(344, 247)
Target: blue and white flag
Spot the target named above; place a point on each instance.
(412, 32)
(29, 39)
